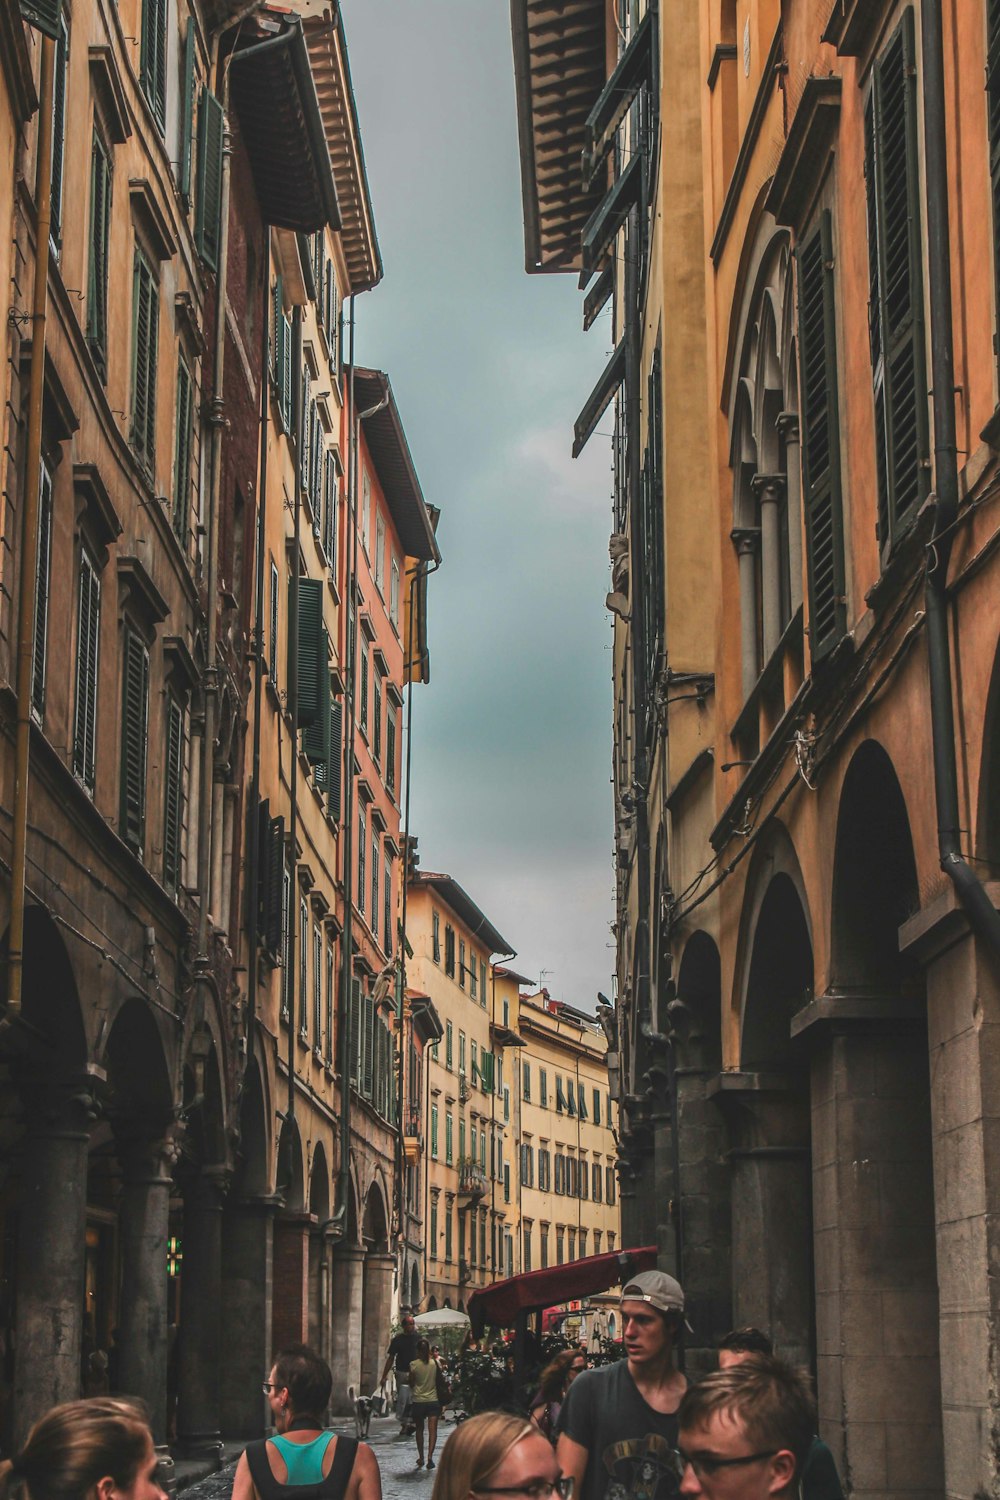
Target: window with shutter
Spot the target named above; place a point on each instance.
(387, 934)
(449, 1148)
(44, 15)
(286, 373)
(335, 770)
(362, 842)
(330, 511)
(394, 593)
(316, 736)
(363, 674)
(88, 630)
(820, 429)
(59, 77)
(145, 330)
(330, 987)
(369, 1047)
(286, 941)
(97, 264)
(896, 311)
(273, 662)
(173, 788)
(317, 985)
(390, 749)
(208, 198)
(380, 554)
(377, 720)
(153, 58)
(312, 652)
(354, 1031)
(303, 965)
(182, 450)
(187, 113)
(304, 435)
(135, 708)
(375, 874)
(43, 574)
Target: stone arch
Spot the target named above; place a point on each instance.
(432, 1303)
(291, 1170)
(414, 1287)
(774, 964)
(319, 1185)
(988, 800)
(375, 1225)
(141, 1088)
(50, 1000)
(251, 1179)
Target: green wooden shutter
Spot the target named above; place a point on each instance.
(59, 129)
(182, 450)
(368, 1078)
(145, 330)
(312, 651)
(363, 668)
(821, 440)
(208, 196)
(135, 700)
(87, 662)
(894, 231)
(286, 373)
(187, 113)
(316, 737)
(97, 267)
(43, 571)
(275, 331)
(335, 773)
(273, 928)
(43, 15)
(153, 58)
(173, 787)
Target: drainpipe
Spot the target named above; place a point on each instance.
(210, 685)
(299, 419)
(983, 916)
(27, 585)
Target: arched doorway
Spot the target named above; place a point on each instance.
(414, 1287)
(378, 1269)
(877, 1298)
(247, 1236)
(319, 1257)
(292, 1233)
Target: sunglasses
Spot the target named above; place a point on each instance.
(707, 1464)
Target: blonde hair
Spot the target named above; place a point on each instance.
(475, 1449)
(76, 1444)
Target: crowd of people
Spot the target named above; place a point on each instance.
(633, 1429)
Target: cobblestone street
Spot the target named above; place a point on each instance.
(396, 1460)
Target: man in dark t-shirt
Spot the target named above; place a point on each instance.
(401, 1353)
(618, 1425)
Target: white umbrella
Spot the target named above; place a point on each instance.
(442, 1317)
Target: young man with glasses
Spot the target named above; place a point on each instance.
(745, 1432)
(618, 1424)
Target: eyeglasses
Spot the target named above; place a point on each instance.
(538, 1489)
(271, 1385)
(707, 1464)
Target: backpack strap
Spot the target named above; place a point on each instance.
(264, 1482)
(335, 1483)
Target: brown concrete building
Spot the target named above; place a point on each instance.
(793, 208)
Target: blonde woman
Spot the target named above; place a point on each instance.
(86, 1450)
(497, 1454)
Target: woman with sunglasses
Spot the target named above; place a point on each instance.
(303, 1461)
(499, 1455)
(86, 1450)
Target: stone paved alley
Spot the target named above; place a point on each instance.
(396, 1459)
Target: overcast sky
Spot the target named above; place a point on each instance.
(512, 739)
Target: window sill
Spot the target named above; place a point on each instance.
(905, 557)
(746, 725)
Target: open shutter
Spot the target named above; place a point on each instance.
(286, 373)
(312, 650)
(316, 738)
(44, 15)
(336, 762)
(87, 639)
(208, 202)
(145, 329)
(354, 1030)
(187, 113)
(273, 929)
(153, 57)
(182, 450)
(135, 698)
(97, 266)
(894, 228)
(59, 129)
(173, 780)
(821, 440)
(42, 581)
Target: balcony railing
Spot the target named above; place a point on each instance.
(471, 1179)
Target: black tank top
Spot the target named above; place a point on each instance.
(332, 1487)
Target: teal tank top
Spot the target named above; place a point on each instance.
(304, 1461)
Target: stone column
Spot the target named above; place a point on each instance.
(788, 427)
(144, 1221)
(769, 490)
(746, 539)
(198, 1412)
(247, 1294)
(291, 1278)
(378, 1269)
(772, 1259)
(348, 1282)
(704, 1195)
(50, 1254)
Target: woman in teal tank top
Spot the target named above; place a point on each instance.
(302, 1456)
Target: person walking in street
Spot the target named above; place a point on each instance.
(302, 1452)
(425, 1406)
(745, 1432)
(820, 1480)
(86, 1450)
(618, 1424)
(401, 1354)
(499, 1454)
(557, 1377)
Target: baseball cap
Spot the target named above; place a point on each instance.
(659, 1290)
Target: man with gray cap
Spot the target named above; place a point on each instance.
(618, 1425)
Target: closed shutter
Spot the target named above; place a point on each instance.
(330, 510)
(275, 332)
(316, 738)
(993, 122)
(44, 15)
(390, 749)
(377, 725)
(369, 1047)
(187, 113)
(305, 432)
(145, 330)
(59, 130)
(88, 631)
(286, 941)
(135, 699)
(43, 572)
(153, 58)
(375, 875)
(316, 456)
(173, 779)
(336, 762)
(182, 450)
(354, 1031)
(208, 201)
(486, 1071)
(286, 373)
(387, 935)
(363, 669)
(312, 650)
(97, 267)
(896, 291)
(821, 440)
(275, 883)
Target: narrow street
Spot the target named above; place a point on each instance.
(396, 1460)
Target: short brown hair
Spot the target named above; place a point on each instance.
(768, 1398)
(76, 1444)
(306, 1377)
(475, 1449)
(747, 1341)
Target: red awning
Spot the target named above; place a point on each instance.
(499, 1304)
